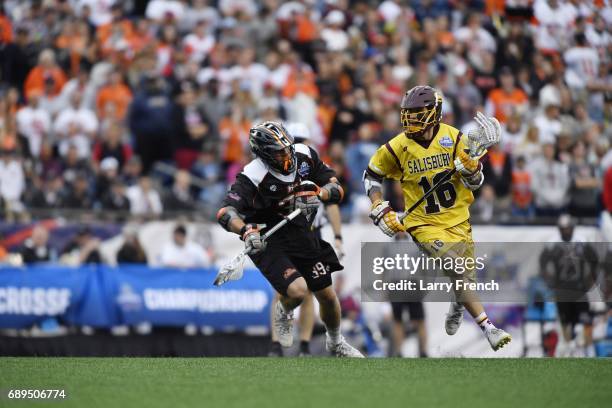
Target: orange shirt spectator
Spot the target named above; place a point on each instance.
(46, 68)
(521, 188)
(503, 101)
(74, 38)
(234, 132)
(306, 30)
(6, 30)
(113, 99)
(300, 81)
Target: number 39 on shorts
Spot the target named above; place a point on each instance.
(319, 270)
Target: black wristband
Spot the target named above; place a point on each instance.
(244, 229)
(338, 237)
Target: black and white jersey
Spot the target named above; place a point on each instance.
(259, 190)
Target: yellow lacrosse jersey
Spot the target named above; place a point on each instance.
(418, 167)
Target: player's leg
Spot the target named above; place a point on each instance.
(567, 316)
(329, 310)
(457, 242)
(586, 318)
(276, 350)
(497, 337)
(282, 322)
(306, 324)
(417, 318)
(397, 329)
(284, 277)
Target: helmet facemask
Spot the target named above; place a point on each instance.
(271, 142)
(283, 160)
(418, 119)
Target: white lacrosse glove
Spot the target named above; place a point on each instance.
(490, 131)
(385, 218)
(253, 242)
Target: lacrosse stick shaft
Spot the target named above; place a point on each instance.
(224, 274)
(282, 223)
(432, 190)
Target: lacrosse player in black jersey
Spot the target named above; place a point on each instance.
(283, 177)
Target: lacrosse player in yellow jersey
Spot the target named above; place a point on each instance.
(418, 158)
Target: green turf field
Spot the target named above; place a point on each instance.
(312, 382)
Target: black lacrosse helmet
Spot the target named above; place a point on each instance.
(421, 109)
(273, 144)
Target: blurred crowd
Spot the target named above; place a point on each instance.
(144, 107)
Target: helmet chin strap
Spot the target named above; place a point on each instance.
(420, 136)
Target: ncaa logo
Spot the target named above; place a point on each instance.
(446, 141)
(304, 169)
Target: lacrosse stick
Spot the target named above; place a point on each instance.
(233, 269)
(487, 134)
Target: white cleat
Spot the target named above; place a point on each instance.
(283, 325)
(498, 338)
(454, 318)
(342, 349)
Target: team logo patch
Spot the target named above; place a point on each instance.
(234, 196)
(446, 141)
(273, 187)
(288, 272)
(304, 169)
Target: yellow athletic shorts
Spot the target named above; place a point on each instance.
(453, 242)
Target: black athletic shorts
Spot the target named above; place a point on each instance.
(281, 265)
(415, 310)
(574, 313)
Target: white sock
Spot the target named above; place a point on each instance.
(484, 322)
(334, 335)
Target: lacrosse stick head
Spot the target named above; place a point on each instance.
(485, 135)
(232, 270)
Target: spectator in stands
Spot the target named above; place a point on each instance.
(347, 120)
(548, 123)
(34, 123)
(36, 248)
(83, 249)
(18, 57)
(497, 170)
(131, 252)
(358, 154)
(107, 175)
(550, 182)
(585, 184)
(115, 198)
(522, 197)
(12, 184)
(183, 253)
(150, 122)
(506, 99)
(180, 197)
(47, 69)
(75, 125)
(111, 145)
(582, 63)
(191, 127)
(132, 171)
(113, 98)
(144, 199)
(209, 170)
(78, 196)
(215, 105)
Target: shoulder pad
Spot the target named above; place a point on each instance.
(303, 149)
(255, 171)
